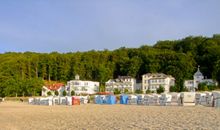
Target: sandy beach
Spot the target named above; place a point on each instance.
(22, 116)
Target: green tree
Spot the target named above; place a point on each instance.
(72, 93)
(212, 87)
(160, 89)
(202, 87)
(126, 90)
(49, 93)
(101, 88)
(117, 91)
(138, 91)
(173, 88)
(23, 74)
(216, 72)
(56, 93)
(148, 91)
(64, 93)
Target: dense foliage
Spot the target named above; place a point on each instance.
(206, 87)
(72, 93)
(23, 73)
(56, 93)
(64, 93)
(117, 91)
(160, 90)
(138, 91)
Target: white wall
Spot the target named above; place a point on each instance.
(80, 86)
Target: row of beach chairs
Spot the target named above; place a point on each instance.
(68, 100)
(211, 99)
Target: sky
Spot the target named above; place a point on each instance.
(83, 25)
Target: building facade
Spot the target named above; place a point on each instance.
(189, 84)
(52, 88)
(82, 87)
(152, 81)
(122, 83)
(198, 78)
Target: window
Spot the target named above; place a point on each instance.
(86, 83)
(83, 89)
(76, 83)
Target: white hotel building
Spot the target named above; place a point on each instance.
(82, 87)
(121, 83)
(198, 78)
(152, 81)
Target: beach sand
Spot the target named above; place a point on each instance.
(22, 116)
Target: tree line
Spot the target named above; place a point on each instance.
(23, 74)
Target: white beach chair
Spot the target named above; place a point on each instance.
(148, 99)
(31, 101)
(165, 99)
(140, 99)
(187, 98)
(216, 98)
(209, 99)
(132, 99)
(175, 98)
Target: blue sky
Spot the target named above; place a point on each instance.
(82, 25)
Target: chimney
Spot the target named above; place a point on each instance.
(76, 77)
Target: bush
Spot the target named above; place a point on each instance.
(102, 88)
(72, 93)
(138, 91)
(185, 89)
(160, 90)
(201, 86)
(49, 93)
(126, 90)
(91, 98)
(148, 91)
(206, 87)
(64, 93)
(56, 93)
(173, 89)
(117, 91)
(212, 87)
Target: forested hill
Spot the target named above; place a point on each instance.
(22, 73)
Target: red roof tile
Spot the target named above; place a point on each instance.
(55, 86)
(104, 93)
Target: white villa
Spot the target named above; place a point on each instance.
(121, 83)
(198, 77)
(152, 81)
(59, 87)
(82, 87)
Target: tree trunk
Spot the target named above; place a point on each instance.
(36, 72)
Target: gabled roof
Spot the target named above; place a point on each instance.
(54, 86)
(158, 75)
(125, 77)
